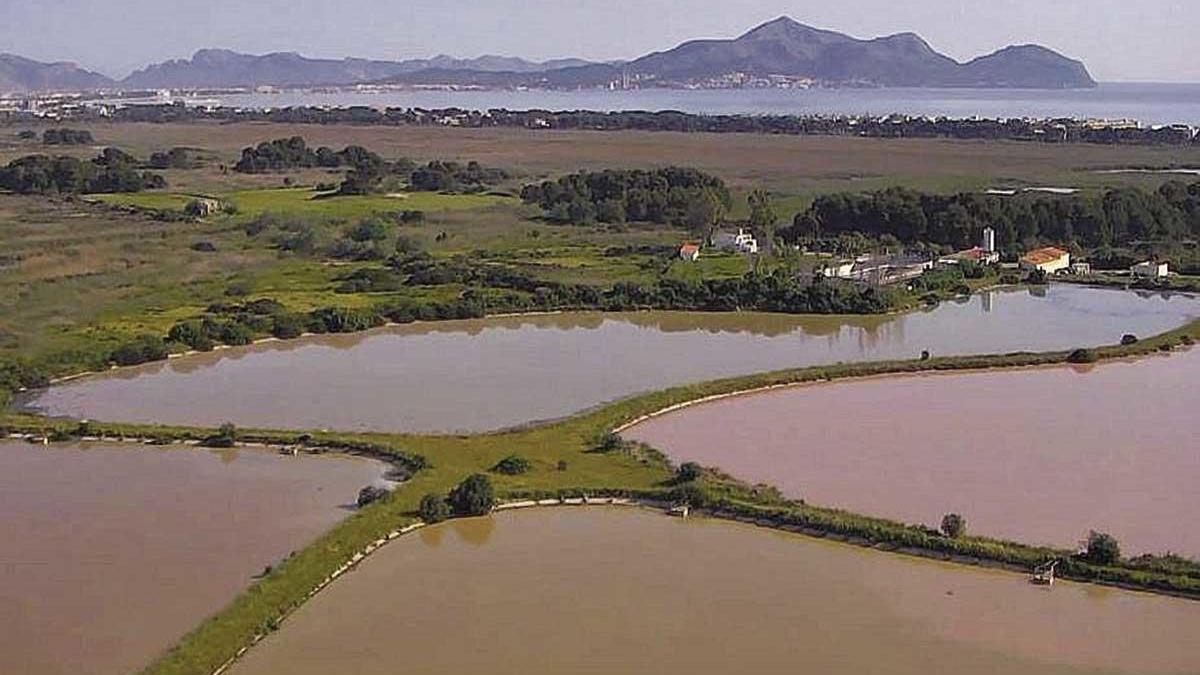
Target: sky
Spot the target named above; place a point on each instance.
(1119, 40)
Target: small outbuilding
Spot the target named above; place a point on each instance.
(1150, 270)
(690, 252)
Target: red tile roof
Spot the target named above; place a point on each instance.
(1041, 256)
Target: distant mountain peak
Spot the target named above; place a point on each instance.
(784, 28)
(21, 74)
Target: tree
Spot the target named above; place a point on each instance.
(703, 213)
(954, 525)
(474, 496)
(434, 508)
(1102, 548)
(226, 437)
(610, 442)
(762, 215)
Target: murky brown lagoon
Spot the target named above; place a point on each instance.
(108, 555)
(593, 590)
(1038, 455)
(483, 375)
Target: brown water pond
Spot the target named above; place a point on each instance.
(109, 554)
(594, 590)
(488, 374)
(1040, 456)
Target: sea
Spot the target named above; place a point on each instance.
(1150, 104)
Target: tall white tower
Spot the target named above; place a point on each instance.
(989, 240)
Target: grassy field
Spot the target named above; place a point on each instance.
(788, 165)
(306, 202)
(79, 278)
(150, 201)
(74, 276)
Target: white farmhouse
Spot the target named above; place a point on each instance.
(741, 241)
(1050, 260)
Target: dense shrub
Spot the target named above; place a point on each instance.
(59, 136)
(344, 320)
(370, 494)
(513, 465)
(142, 349)
(112, 171)
(287, 325)
(688, 472)
(226, 437)
(1082, 356)
(193, 334)
(474, 496)
(454, 177)
(434, 509)
(175, 158)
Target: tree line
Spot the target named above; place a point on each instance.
(1057, 130)
(779, 291)
(672, 196)
(367, 171)
(111, 171)
(1113, 217)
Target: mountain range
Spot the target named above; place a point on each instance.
(783, 48)
(21, 74)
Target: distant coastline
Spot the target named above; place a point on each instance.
(1110, 114)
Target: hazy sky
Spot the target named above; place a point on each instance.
(1152, 40)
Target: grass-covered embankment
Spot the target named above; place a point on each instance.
(566, 458)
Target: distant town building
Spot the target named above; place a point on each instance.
(741, 241)
(839, 269)
(690, 252)
(1050, 260)
(1150, 270)
(879, 270)
(989, 240)
(977, 254)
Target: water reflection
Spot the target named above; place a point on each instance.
(461, 375)
(474, 531)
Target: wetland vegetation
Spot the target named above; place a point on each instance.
(86, 281)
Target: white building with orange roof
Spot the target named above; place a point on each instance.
(1049, 259)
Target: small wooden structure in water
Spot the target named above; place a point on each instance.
(1043, 575)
